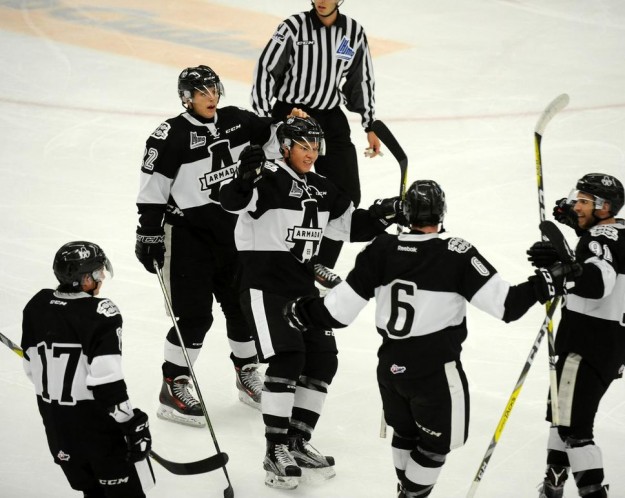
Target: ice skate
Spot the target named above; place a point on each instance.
(178, 404)
(553, 485)
(313, 463)
(250, 384)
(282, 469)
(326, 277)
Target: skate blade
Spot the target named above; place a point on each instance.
(318, 475)
(169, 414)
(244, 398)
(281, 482)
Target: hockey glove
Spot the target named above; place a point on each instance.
(388, 211)
(250, 166)
(295, 315)
(150, 247)
(549, 282)
(542, 254)
(138, 438)
(564, 213)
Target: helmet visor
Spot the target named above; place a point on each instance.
(103, 272)
(574, 197)
(313, 144)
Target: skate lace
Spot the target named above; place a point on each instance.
(181, 390)
(283, 457)
(251, 379)
(326, 277)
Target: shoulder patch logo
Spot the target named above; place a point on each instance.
(296, 190)
(197, 141)
(344, 51)
(64, 457)
(458, 245)
(396, 369)
(107, 308)
(479, 266)
(277, 36)
(162, 131)
(604, 230)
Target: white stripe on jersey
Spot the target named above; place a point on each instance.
(610, 307)
(343, 303)
(433, 311)
(146, 476)
(491, 297)
(153, 189)
(458, 415)
(105, 369)
(566, 388)
(260, 322)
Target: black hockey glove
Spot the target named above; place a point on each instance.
(250, 166)
(549, 282)
(542, 254)
(388, 211)
(563, 213)
(138, 438)
(150, 246)
(295, 315)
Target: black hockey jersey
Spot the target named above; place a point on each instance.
(281, 223)
(72, 355)
(185, 162)
(421, 284)
(593, 315)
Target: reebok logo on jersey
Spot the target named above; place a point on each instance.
(107, 308)
(161, 132)
(407, 249)
(197, 141)
(458, 245)
(479, 266)
(64, 457)
(396, 369)
(210, 179)
(344, 51)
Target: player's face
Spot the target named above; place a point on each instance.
(302, 156)
(205, 102)
(584, 207)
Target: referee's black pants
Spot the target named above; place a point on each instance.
(339, 164)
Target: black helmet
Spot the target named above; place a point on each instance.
(302, 130)
(75, 259)
(425, 203)
(197, 78)
(604, 188)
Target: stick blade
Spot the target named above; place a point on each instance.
(554, 107)
(554, 235)
(209, 464)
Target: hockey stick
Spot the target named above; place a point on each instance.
(192, 468)
(513, 397)
(555, 106)
(387, 138)
(228, 492)
(182, 469)
(11, 345)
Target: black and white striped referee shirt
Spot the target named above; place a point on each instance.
(321, 68)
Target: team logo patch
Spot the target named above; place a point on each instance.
(479, 266)
(64, 457)
(107, 308)
(197, 141)
(396, 369)
(296, 190)
(606, 231)
(344, 51)
(608, 181)
(458, 245)
(162, 131)
(278, 37)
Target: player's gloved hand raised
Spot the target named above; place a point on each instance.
(563, 212)
(542, 254)
(150, 247)
(138, 437)
(549, 282)
(251, 163)
(295, 315)
(388, 211)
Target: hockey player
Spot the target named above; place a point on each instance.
(590, 342)
(284, 210)
(183, 228)
(421, 281)
(319, 60)
(72, 343)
